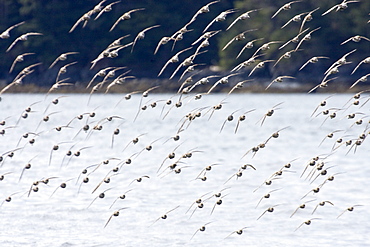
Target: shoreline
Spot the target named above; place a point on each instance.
(256, 87)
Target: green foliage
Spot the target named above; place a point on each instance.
(335, 28)
(54, 19)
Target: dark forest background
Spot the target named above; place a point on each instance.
(54, 19)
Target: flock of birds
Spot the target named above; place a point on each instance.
(105, 178)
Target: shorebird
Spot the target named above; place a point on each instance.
(199, 204)
(55, 148)
(23, 37)
(26, 167)
(141, 35)
(117, 42)
(268, 181)
(307, 37)
(286, 6)
(295, 18)
(270, 112)
(112, 73)
(312, 60)
(224, 80)
(322, 84)
(349, 209)
(340, 61)
(294, 40)
(191, 68)
(2, 176)
(204, 9)
(139, 179)
(239, 232)
(102, 55)
(204, 171)
(71, 154)
(239, 173)
(286, 55)
(144, 95)
(122, 196)
(147, 148)
(239, 37)
(114, 52)
(173, 59)
(19, 58)
(266, 196)
(307, 222)
(356, 38)
(3, 130)
(238, 85)
(217, 203)
(169, 156)
(302, 206)
(9, 198)
(270, 210)
(206, 35)
(361, 79)
(186, 63)
(179, 35)
(249, 45)
(322, 104)
(63, 70)
(265, 47)
(228, 119)
(242, 17)
(106, 9)
(242, 118)
(97, 8)
(63, 185)
(106, 179)
(115, 214)
(365, 61)
(330, 135)
(34, 187)
(260, 65)
(119, 81)
(339, 7)
(27, 70)
(84, 18)
(125, 16)
(9, 154)
(58, 84)
(204, 44)
(321, 204)
(6, 34)
(275, 135)
(62, 57)
(314, 190)
(201, 229)
(307, 18)
(221, 17)
(279, 79)
(15, 82)
(165, 215)
(101, 73)
(163, 41)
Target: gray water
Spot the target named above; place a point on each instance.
(75, 216)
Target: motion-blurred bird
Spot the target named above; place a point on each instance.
(23, 37)
(6, 34)
(125, 16)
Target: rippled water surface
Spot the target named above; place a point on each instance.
(77, 216)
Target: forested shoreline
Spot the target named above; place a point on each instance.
(55, 18)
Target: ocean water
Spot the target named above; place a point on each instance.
(77, 216)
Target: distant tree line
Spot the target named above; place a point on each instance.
(54, 19)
